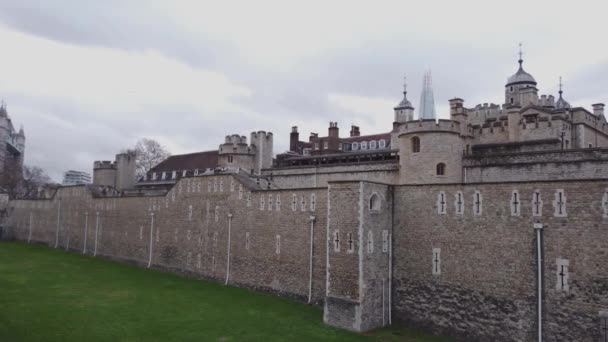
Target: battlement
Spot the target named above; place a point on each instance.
(236, 139)
(261, 135)
(422, 126)
(546, 101)
(103, 164)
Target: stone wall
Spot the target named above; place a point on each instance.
(484, 286)
(298, 177)
(190, 230)
(455, 259)
(536, 166)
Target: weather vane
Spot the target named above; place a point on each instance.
(404, 84)
(521, 52)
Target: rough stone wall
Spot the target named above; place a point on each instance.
(536, 166)
(377, 224)
(359, 228)
(187, 236)
(322, 176)
(485, 289)
(435, 147)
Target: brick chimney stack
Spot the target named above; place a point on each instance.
(354, 131)
(333, 131)
(294, 138)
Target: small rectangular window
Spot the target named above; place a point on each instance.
(278, 244)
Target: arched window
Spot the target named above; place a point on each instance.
(415, 144)
(374, 203)
(364, 145)
(382, 143)
(355, 146)
(441, 169)
(372, 145)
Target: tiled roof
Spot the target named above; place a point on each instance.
(190, 161)
(385, 136)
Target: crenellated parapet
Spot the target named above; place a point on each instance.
(235, 144)
(430, 126)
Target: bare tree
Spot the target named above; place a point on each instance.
(34, 178)
(23, 182)
(149, 154)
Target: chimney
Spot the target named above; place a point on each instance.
(313, 136)
(598, 109)
(294, 138)
(456, 106)
(354, 131)
(333, 130)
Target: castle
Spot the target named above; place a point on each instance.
(489, 226)
(12, 148)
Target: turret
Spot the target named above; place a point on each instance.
(125, 170)
(431, 152)
(104, 173)
(521, 87)
(598, 109)
(404, 111)
(263, 143)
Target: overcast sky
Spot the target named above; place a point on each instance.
(89, 78)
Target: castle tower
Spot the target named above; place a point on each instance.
(520, 89)
(404, 111)
(125, 170)
(431, 152)
(20, 142)
(235, 153)
(104, 173)
(427, 99)
(262, 142)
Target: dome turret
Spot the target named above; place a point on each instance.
(404, 111)
(405, 103)
(561, 103)
(521, 76)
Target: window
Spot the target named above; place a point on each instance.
(511, 88)
(313, 202)
(370, 242)
(441, 203)
(382, 143)
(559, 204)
(441, 169)
(562, 274)
(278, 244)
(230, 159)
(355, 146)
(415, 145)
(364, 145)
(374, 202)
(436, 261)
(325, 145)
(372, 145)
(336, 241)
(511, 100)
(316, 145)
(384, 241)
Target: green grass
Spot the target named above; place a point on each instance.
(51, 295)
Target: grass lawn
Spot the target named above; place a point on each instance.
(51, 295)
